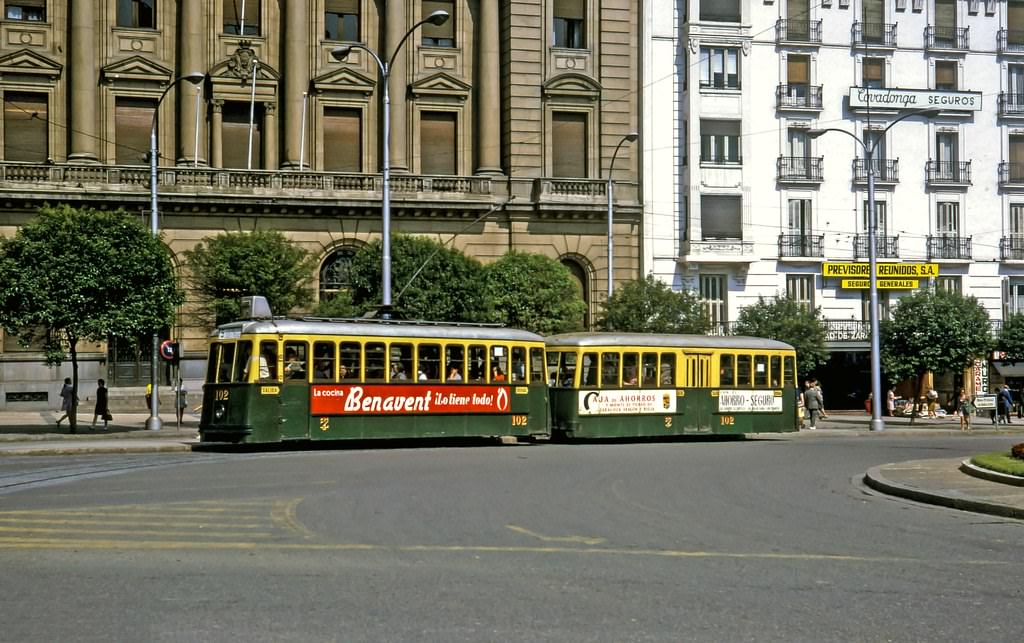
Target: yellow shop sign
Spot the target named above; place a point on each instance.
(892, 284)
(903, 271)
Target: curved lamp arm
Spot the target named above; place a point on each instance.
(437, 18)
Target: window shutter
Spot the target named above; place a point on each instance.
(945, 75)
(720, 217)
(873, 70)
(26, 127)
(569, 144)
(945, 13)
(1015, 15)
(572, 9)
(343, 150)
(133, 123)
(437, 143)
(797, 71)
(235, 138)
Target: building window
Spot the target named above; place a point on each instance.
(883, 304)
(335, 273)
(133, 123)
(945, 75)
(1014, 296)
(242, 17)
(26, 127)
(235, 135)
(569, 23)
(719, 141)
(721, 217)
(569, 144)
(948, 283)
(948, 152)
(1015, 16)
(881, 218)
(1017, 219)
(799, 217)
(798, 70)
(720, 10)
(713, 294)
(437, 143)
(343, 149)
(341, 20)
(873, 70)
(442, 35)
(140, 14)
(30, 10)
(947, 219)
(719, 68)
(800, 288)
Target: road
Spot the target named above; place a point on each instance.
(707, 541)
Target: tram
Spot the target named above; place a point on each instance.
(617, 385)
(274, 380)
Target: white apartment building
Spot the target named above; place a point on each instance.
(742, 202)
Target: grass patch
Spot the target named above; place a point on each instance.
(1001, 461)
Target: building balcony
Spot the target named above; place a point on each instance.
(1011, 105)
(798, 97)
(799, 169)
(802, 245)
(1011, 174)
(836, 330)
(1011, 248)
(948, 173)
(798, 31)
(720, 159)
(949, 247)
(885, 247)
(1011, 41)
(721, 83)
(885, 170)
(874, 34)
(955, 38)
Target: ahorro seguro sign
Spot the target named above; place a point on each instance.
(749, 402)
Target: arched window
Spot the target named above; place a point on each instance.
(334, 273)
(580, 274)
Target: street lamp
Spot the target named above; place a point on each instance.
(154, 423)
(340, 53)
(631, 137)
(877, 424)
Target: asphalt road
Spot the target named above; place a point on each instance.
(772, 540)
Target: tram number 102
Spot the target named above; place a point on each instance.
(727, 420)
(520, 420)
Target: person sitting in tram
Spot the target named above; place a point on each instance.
(454, 375)
(497, 375)
(398, 372)
(293, 367)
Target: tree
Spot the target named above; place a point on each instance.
(787, 320)
(1011, 337)
(535, 293)
(651, 306)
(429, 281)
(235, 264)
(933, 331)
(76, 274)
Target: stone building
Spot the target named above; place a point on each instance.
(504, 121)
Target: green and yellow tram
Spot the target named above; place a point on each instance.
(607, 385)
(312, 379)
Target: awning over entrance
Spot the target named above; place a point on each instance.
(1010, 369)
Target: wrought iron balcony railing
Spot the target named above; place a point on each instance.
(721, 159)
(808, 31)
(801, 245)
(836, 330)
(1011, 248)
(947, 37)
(949, 247)
(885, 170)
(1011, 104)
(885, 247)
(1011, 41)
(798, 96)
(949, 172)
(799, 168)
(878, 34)
(1011, 173)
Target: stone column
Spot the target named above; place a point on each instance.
(396, 27)
(488, 97)
(84, 82)
(269, 136)
(216, 133)
(190, 46)
(296, 78)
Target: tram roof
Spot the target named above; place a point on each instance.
(665, 340)
(374, 328)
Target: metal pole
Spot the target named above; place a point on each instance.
(252, 110)
(386, 196)
(195, 154)
(611, 213)
(241, 21)
(877, 424)
(302, 128)
(153, 423)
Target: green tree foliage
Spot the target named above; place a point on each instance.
(428, 281)
(1011, 337)
(786, 320)
(651, 306)
(933, 332)
(533, 292)
(235, 264)
(75, 274)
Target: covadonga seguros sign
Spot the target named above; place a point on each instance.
(893, 98)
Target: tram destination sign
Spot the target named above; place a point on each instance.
(894, 98)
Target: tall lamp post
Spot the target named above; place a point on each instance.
(340, 53)
(631, 137)
(877, 424)
(154, 423)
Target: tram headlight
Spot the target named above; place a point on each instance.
(219, 411)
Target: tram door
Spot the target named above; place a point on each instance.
(697, 381)
(294, 420)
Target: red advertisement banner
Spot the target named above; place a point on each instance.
(406, 399)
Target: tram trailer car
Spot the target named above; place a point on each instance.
(623, 385)
(316, 379)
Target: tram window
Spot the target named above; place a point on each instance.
(668, 369)
(350, 361)
(610, 369)
(376, 361)
(630, 369)
(268, 361)
(556, 369)
(517, 371)
(242, 361)
(776, 364)
(743, 371)
(650, 369)
(323, 361)
(428, 363)
(537, 365)
(499, 363)
(211, 363)
(588, 368)
(568, 367)
(760, 370)
(227, 357)
(727, 375)
(296, 358)
(455, 363)
(789, 372)
(400, 362)
(477, 363)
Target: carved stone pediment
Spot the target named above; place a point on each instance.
(240, 65)
(441, 85)
(572, 86)
(136, 68)
(29, 63)
(344, 79)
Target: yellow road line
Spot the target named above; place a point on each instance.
(136, 523)
(198, 531)
(586, 540)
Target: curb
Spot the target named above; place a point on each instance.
(874, 479)
(991, 476)
(180, 447)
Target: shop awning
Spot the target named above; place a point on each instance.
(1010, 369)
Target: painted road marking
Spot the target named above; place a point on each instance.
(586, 540)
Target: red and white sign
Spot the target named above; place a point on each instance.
(405, 399)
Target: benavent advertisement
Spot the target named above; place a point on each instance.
(398, 399)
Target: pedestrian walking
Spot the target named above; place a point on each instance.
(182, 401)
(67, 395)
(812, 402)
(1005, 404)
(964, 408)
(932, 400)
(890, 401)
(821, 400)
(102, 409)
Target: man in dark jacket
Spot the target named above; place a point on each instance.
(813, 403)
(1005, 404)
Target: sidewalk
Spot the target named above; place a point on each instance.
(36, 433)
